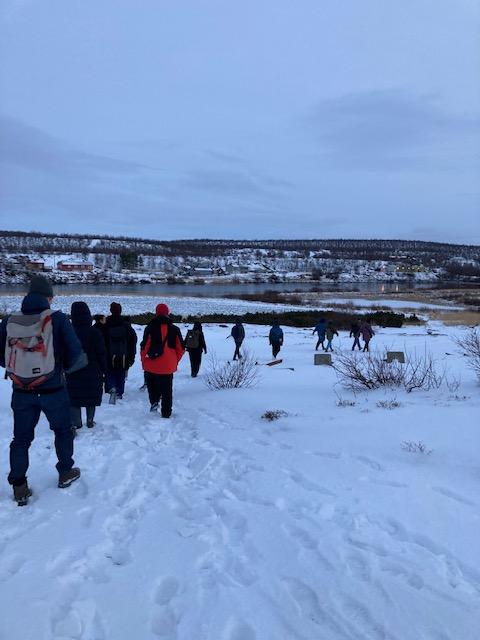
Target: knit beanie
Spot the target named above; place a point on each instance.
(41, 286)
(162, 310)
(116, 309)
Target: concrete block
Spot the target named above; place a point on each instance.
(396, 355)
(323, 358)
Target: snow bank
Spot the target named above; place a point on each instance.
(218, 525)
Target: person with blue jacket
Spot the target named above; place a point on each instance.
(47, 393)
(275, 338)
(320, 330)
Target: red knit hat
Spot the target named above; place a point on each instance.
(162, 310)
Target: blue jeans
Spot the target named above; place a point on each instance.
(329, 345)
(356, 343)
(115, 379)
(27, 408)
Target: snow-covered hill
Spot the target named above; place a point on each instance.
(218, 525)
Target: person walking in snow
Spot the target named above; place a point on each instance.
(86, 385)
(320, 329)
(238, 335)
(121, 344)
(275, 338)
(37, 347)
(161, 350)
(195, 345)
(330, 332)
(367, 334)
(355, 334)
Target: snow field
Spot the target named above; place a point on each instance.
(217, 525)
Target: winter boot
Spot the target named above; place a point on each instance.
(90, 425)
(154, 407)
(21, 494)
(66, 479)
(143, 387)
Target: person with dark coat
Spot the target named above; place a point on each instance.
(330, 332)
(195, 345)
(161, 350)
(238, 335)
(367, 334)
(85, 386)
(56, 353)
(320, 330)
(121, 345)
(275, 338)
(355, 334)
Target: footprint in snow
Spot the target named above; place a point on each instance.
(166, 589)
(238, 630)
(164, 621)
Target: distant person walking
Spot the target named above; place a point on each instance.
(275, 338)
(367, 334)
(330, 332)
(196, 346)
(85, 386)
(320, 329)
(161, 350)
(238, 335)
(37, 346)
(355, 334)
(121, 343)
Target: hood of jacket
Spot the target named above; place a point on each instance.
(34, 303)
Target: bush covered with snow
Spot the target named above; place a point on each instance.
(241, 373)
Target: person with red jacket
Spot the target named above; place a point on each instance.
(161, 350)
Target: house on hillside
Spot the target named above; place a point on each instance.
(75, 265)
(35, 264)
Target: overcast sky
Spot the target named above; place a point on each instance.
(242, 119)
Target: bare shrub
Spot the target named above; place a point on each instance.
(416, 447)
(389, 404)
(453, 383)
(469, 343)
(372, 371)
(240, 374)
(274, 414)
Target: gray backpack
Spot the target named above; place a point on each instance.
(29, 354)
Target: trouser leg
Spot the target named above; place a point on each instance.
(166, 387)
(275, 349)
(26, 413)
(153, 387)
(90, 416)
(120, 375)
(195, 360)
(56, 407)
(76, 417)
(110, 380)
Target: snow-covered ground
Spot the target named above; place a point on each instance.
(396, 304)
(217, 525)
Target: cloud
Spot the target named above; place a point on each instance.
(30, 148)
(392, 130)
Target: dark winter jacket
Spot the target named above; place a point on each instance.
(119, 331)
(276, 334)
(161, 336)
(367, 331)
(320, 328)
(330, 332)
(238, 333)
(85, 386)
(69, 356)
(355, 330)
(197, 331)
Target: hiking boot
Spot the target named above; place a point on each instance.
(21, 494)
(66, 479)
(143, 387)
(154, 407)
(90, 425)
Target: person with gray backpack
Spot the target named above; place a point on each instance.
(37, 347)
(195, 345)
